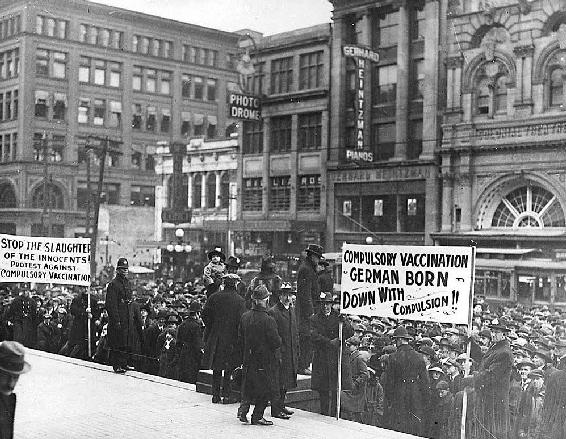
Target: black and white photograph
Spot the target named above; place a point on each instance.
(319, 219)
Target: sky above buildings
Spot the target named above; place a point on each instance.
(266, 16)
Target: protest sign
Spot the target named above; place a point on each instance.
(411, 283)
(45, 260)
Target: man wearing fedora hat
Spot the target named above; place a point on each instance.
(406, 386)
(118, 298)
(308, 290)
(12, 365)
(189, 344)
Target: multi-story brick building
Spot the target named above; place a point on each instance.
(74, 69)
(386, 75)
(502, 153)
(281, 168)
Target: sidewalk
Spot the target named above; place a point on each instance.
(68, 398)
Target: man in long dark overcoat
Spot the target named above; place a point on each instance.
(491, 383)
(288, 355)
(307, 291)
(189, 344)
(22, 317)
(259, 340)
(221, 316)
(326, 344)
(118, 298)
(406, 386)
(78, 334)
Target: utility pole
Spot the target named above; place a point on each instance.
(94, 234)
(45, 226)
(88, 149)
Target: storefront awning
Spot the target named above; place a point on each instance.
(529, 264)
(506, 251)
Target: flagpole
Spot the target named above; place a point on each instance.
(88, 323)
(338, 394)
(469, 348)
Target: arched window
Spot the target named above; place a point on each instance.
(7, 196)
(54, 197)
(197, 190)
(529, 207)
(225, 191)
(483, 98)
(556, 90)
(500, 95)
(211, 191)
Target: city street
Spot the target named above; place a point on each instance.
(67, 398)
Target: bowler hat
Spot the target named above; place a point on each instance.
(216, 252)
(172, 319)
(260, 292)
(525, 363)
(401, 332)
(536, 373)
(12, 358)
(314, 249)
(544, 354)
(325, 296)
(427, 350)
(122, 263)
(233, 262)
(195, 306)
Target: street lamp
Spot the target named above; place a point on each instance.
(369, 240)
(179, 233)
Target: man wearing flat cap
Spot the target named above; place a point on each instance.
(221, 316)
(406, 386)
(259, 341)
(12, 365)
(118, 298)
(308, 290)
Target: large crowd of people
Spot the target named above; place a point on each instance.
(407, 376)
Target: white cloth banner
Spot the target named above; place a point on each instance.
(63, 261)
(425, 283)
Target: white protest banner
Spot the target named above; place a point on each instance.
(426, 283)
(45, 260)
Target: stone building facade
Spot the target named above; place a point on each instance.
(502, 155)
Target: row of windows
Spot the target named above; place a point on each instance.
(311, 74)
(211, 198)
(308, 193)
(139, 195)
(152, 46)
(51, 27)
(200, 55)
(9, 26)
(194, 87)
(53, 145)
(100, 72)
(51, 63)
(151, 80)
(8, 147)
(385, 26)
(309, 135)
(52, 106)
(100, 36)
(9, 105)
(100, 112)
(9, 63)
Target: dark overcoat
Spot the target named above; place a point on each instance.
(259, 341)
(189, 346)
(135, 332)
(553, 416)
(23, 313)
(150, 348)
(48, 338)
(307, 291)
(354, 400)
(492, 384)
(288, 354)
(324, 376)
(325, 281)
(407, 391)
(118, 296)
(221, 316)
(7, 413)
(79, 327)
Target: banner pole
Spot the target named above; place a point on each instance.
(88, 323)
(469, 347)
(339, 393)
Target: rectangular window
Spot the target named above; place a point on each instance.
(412, 217)
(137, 78)
(41, 62)
(281, 134)
(115, 119)
(211, 89)
(165, 120)
(185, 123)
(378, 207)
(115, 74)
(144, 48)
(136, 116)
(308, 193)
(92, 35)
(311, 70)
(256, 80)
(281, 75)
(50, 27)
(418, 23)
(83, 33)
(280, 193)
(142, 196)
(167, 49)
(61, 29)
(110, 194)
(104, 38)
(8, 112)
(415, 146)
(150, 119)
(150, 163)
(165, 86)
(253, 137)
(383, 140)
(385, 34)
(310, 131)
(1, 106)
(59, 106)
(252, 199)
(150, 80)
(83, 110)
(213, 58)
(211, 127)
(57, 149)
(136, 159)
(135, 43)
(186, 85)
(199, 87)
(59, 65)
(385, 91)
(84, 70)
(116, 42)
(41, 98)
(417, 79)
(198, 124)
(99, 72)
(99, 112)
(193, 55)
(16, 105)
(155, 47)
(39, 23)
